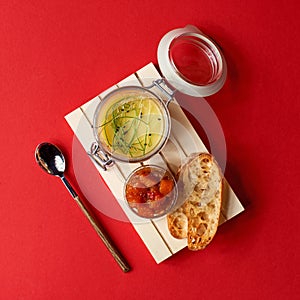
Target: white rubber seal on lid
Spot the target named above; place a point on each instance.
(191, 62)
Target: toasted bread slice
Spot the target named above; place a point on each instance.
(200, 198)
(178, 224)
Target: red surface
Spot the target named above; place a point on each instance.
(55, 55)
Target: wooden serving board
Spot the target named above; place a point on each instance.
(154, 233)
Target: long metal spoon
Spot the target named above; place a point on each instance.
(51, 160)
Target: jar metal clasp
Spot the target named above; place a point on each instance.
(101, 158)
(161, 85)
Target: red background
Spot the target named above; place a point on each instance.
(56, 55)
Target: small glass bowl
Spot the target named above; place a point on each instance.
(150, 191)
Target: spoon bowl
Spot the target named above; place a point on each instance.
(50, 159)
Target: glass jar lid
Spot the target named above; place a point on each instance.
(191, 62)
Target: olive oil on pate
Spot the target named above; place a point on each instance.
(132, 127)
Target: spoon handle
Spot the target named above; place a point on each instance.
(98, 228)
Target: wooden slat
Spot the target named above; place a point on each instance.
(130, 80)
(89, 108)
(147, 74)
(173, 155)
(232, 206)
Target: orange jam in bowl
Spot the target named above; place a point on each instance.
(150, 191)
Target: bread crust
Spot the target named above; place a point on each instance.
(200, 184)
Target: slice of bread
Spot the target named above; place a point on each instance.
(200, 197)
